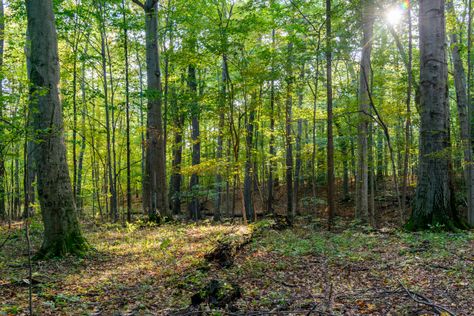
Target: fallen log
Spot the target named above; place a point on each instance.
(224, 252)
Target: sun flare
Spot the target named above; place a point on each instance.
(394, 16)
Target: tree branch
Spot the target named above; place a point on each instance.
(141, 5)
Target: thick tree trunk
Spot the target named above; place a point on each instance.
(362, 183)
(61, 228)
(155, 195)
(434, 203)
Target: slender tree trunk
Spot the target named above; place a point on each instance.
(108, 126)
(463, 112)
(434, 203)
(248, 192)
(176, 177)
(362, 184)
(299, 134)
(330, 144)
(79, 199)
(220, 137)
(194, 207)
(288, 133)
(470, 100)
(272, 152)
(61, 228)
(3, 213)
(127, 113)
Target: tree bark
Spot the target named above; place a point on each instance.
(154, 192)
(62, 233)
(434, 203)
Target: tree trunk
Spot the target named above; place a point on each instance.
(248, 192)
(288, 134)
(362, 184)
(463, 113)
(154, 193)
(61, 228)
(299, 134)
(330, 144)
(2, 145)
(194, 206)
(127, 113)
(434, 201)
(272, 152)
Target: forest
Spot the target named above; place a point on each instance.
(236, 157)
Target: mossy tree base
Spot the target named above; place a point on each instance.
(435, 222)
(73, 244)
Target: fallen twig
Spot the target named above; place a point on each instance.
(421, 299)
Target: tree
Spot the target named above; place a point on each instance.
(62, 233)
(330, 138)
(463, 112)
(362, 185)
(154, 192)
(434, 199)
(2, 146)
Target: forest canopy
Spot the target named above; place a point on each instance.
(262, 115)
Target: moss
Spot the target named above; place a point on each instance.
(435, 222)
(71, 244)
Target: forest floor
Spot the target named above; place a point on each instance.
(305, 270)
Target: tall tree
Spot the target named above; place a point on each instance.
(154, 192)
(463, 111)
(2, 146)
(330, 138)
(127, 112)
(408, 114)
(194, 205)
(62, 233)
(362, 184)
(434, 200)
(288, 132)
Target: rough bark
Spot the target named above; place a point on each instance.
(62, 233)
(154, 182)
(434, 203)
